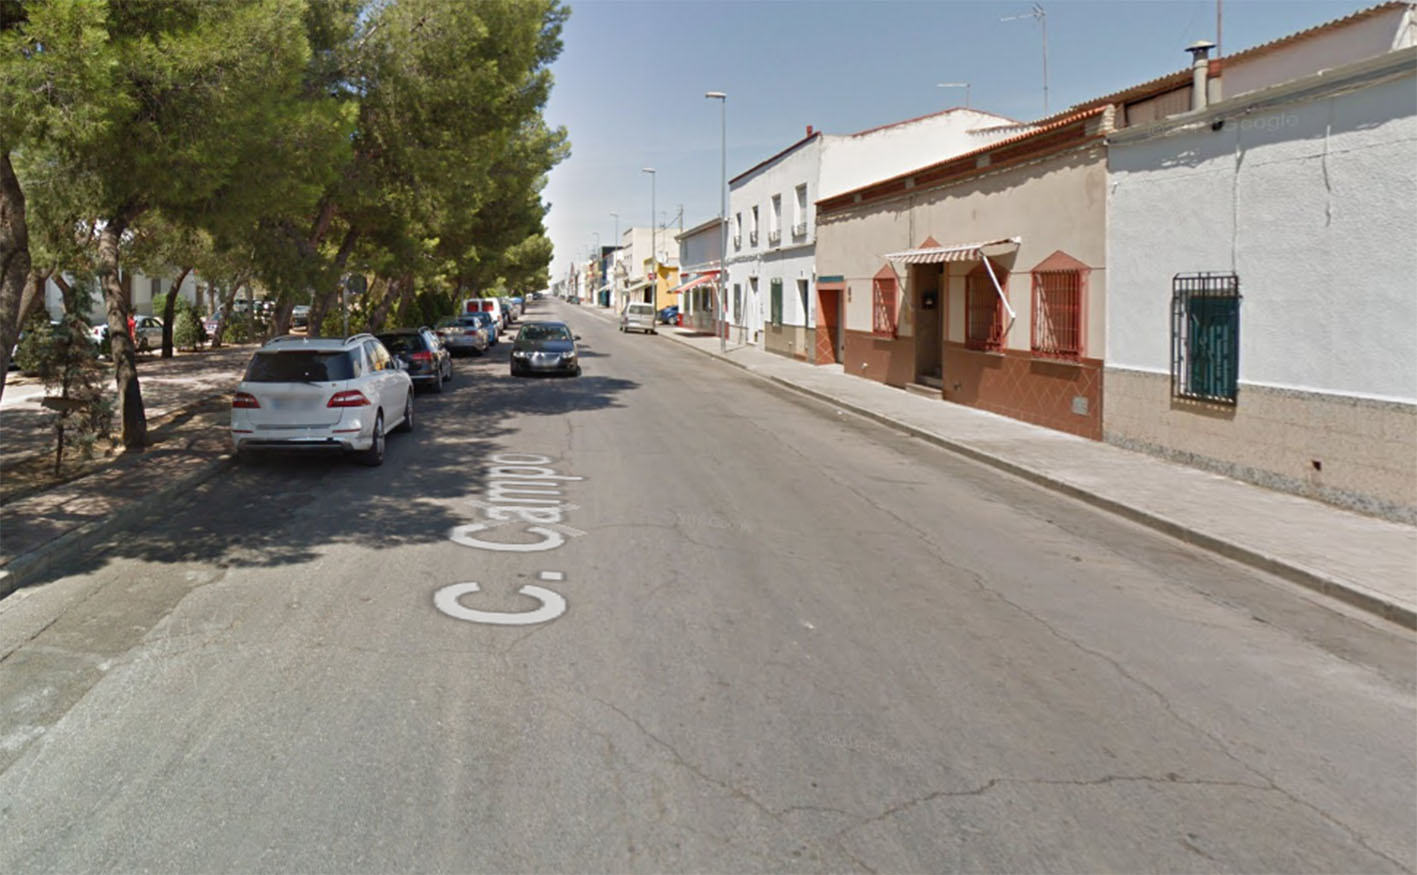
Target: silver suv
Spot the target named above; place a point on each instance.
(321, 393)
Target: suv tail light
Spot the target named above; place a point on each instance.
(352, 398)
(245, 400)
(422, 356)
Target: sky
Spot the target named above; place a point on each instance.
(630, 82)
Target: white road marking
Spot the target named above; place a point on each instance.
(551, 575)
(552, 606)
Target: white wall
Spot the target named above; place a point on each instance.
(1375, 35)
(1313, 205)
(793, 257)
(854, 160)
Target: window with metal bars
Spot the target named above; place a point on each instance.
(883, 306)
(775, 289)
(1057, 313)
(1205, 336)
(983, 309)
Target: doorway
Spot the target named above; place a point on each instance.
(828, 345)
(926, 282)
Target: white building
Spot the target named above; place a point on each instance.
(772, 213)
(631, 277)
(141, 288)
(1262, 288)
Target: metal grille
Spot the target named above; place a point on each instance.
(1205, 336)
(883, 294)
(983, 312)
(1057, 313)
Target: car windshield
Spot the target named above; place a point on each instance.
(300, 366)
(544, 332)
(402, 342)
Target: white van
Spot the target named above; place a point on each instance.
(487, 305)
(638, 317)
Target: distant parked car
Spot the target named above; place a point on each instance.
(470, 332)
(148, 331)
(300, 316)
(638, 317)
(424, 357)
(493, 330)
(321, 393)
(545, 348)
(669, 315)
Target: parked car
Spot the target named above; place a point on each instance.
(638, 317)
(487, 322)
(669, 315)
(425, 359)
(545, 348)
(470, 332)
(512, 310)
(487, 305)
(300, 316)
(147, 331)
(520, 303)
(321, 393)
(573, 299)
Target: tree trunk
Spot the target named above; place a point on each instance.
(14, 260)
(226, 311)
(321, 305)
(386, 303)
(125, 367)
(169, 310)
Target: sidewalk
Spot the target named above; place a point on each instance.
(188, 408)
(1367, 562)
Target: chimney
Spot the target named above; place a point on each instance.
(1200, 73)
(809, 130)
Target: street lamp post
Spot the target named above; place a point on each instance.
(721, 322)
(653, 252)
(614, 282)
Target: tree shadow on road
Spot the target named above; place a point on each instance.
(284, 510)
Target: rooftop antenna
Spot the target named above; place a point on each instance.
(964, 85)
(1038, 14)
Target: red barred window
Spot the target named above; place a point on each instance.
(1057, 313)
(984, 309)
(884, 291)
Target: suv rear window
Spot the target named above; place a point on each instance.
(398, 343)
(300, 366)
(641, 309)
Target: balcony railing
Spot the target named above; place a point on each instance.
(752, 238)
(737, 241)
(774, 238)
(799, 229)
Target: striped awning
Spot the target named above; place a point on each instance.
(962, 252)
(706, 278)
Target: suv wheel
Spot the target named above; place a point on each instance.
(374, 456)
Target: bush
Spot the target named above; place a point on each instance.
(63, 358)
(187, 330)
(34, 345)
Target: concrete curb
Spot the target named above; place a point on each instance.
(27, 566)
(1352, 594)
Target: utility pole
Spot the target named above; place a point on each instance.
(722, 216)
(653, 238)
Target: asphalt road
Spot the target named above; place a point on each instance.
(773, 637)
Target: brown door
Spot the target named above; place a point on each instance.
(828, 347)
(926, 300)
